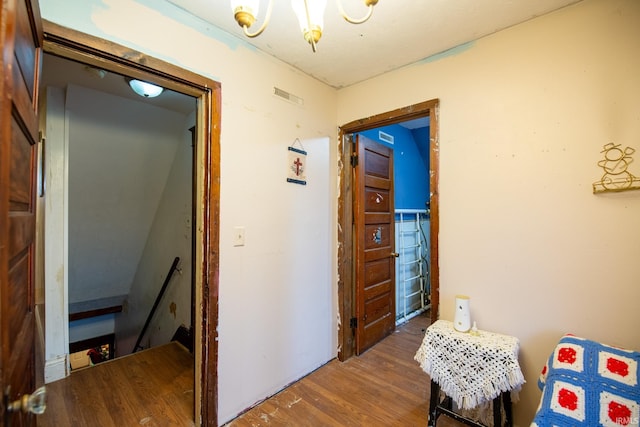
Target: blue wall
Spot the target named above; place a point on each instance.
(410, 164)
(421, 136)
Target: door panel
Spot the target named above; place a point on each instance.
(377, 272)
(21, 41)
(374, 229)
(26, 63)
(18, 296)
(376, 200)
(376, 237)
(20, 197)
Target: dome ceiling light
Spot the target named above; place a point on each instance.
(144, 89)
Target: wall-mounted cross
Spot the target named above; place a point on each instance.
(298, 163)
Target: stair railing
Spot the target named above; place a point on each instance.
(173, 268)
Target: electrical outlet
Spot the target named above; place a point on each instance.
(238, 236)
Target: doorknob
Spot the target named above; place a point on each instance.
(34, 403)
(395, 254)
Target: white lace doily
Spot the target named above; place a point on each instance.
(471, 369)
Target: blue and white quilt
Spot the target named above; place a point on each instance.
(585, 383)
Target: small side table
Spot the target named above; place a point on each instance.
(471, 369)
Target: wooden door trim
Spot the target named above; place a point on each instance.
(91, 50)
(346, 255)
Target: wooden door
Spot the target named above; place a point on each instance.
(21, 41)
(375, 242)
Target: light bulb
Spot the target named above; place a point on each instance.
(311, 27)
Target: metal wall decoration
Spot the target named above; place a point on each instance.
(615, 165)
(297, 164)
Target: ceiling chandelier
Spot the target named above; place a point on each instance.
(310, 14)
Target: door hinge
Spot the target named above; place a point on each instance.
(354, 160)
(353, 323)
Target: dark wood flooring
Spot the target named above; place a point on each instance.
(382, 387)
(150, 388)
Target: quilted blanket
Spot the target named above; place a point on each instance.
(586, 383)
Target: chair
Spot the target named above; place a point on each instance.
(586, 383)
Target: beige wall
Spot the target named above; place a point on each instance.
(524, 115)
(278, 294)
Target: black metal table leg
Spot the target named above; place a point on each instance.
(437, 408)
(497, 413)
(433, 404)
(506, 402)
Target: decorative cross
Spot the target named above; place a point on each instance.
(296, 165)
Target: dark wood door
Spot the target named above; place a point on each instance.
(21, 41)
(375, 243)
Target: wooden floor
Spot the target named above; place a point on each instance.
(150, 388)
(382, 387)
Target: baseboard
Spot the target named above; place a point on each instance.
(56, 369)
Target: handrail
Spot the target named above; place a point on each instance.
(173, 268)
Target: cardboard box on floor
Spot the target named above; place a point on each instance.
(79, 360)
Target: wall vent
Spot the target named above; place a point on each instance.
(287, 96)
(385, 137)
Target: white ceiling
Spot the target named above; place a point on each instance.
(59, 72)
(399, 33)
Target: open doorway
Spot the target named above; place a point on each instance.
(101, 55)
(410, 142)
(127, 199)
(347, 216)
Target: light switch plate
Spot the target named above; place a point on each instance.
(238, 236)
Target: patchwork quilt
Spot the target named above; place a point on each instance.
(585, 383)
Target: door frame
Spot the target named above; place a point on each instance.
(346, 246)
(77, 46)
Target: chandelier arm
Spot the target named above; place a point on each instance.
(351, 20)
(259, 31)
